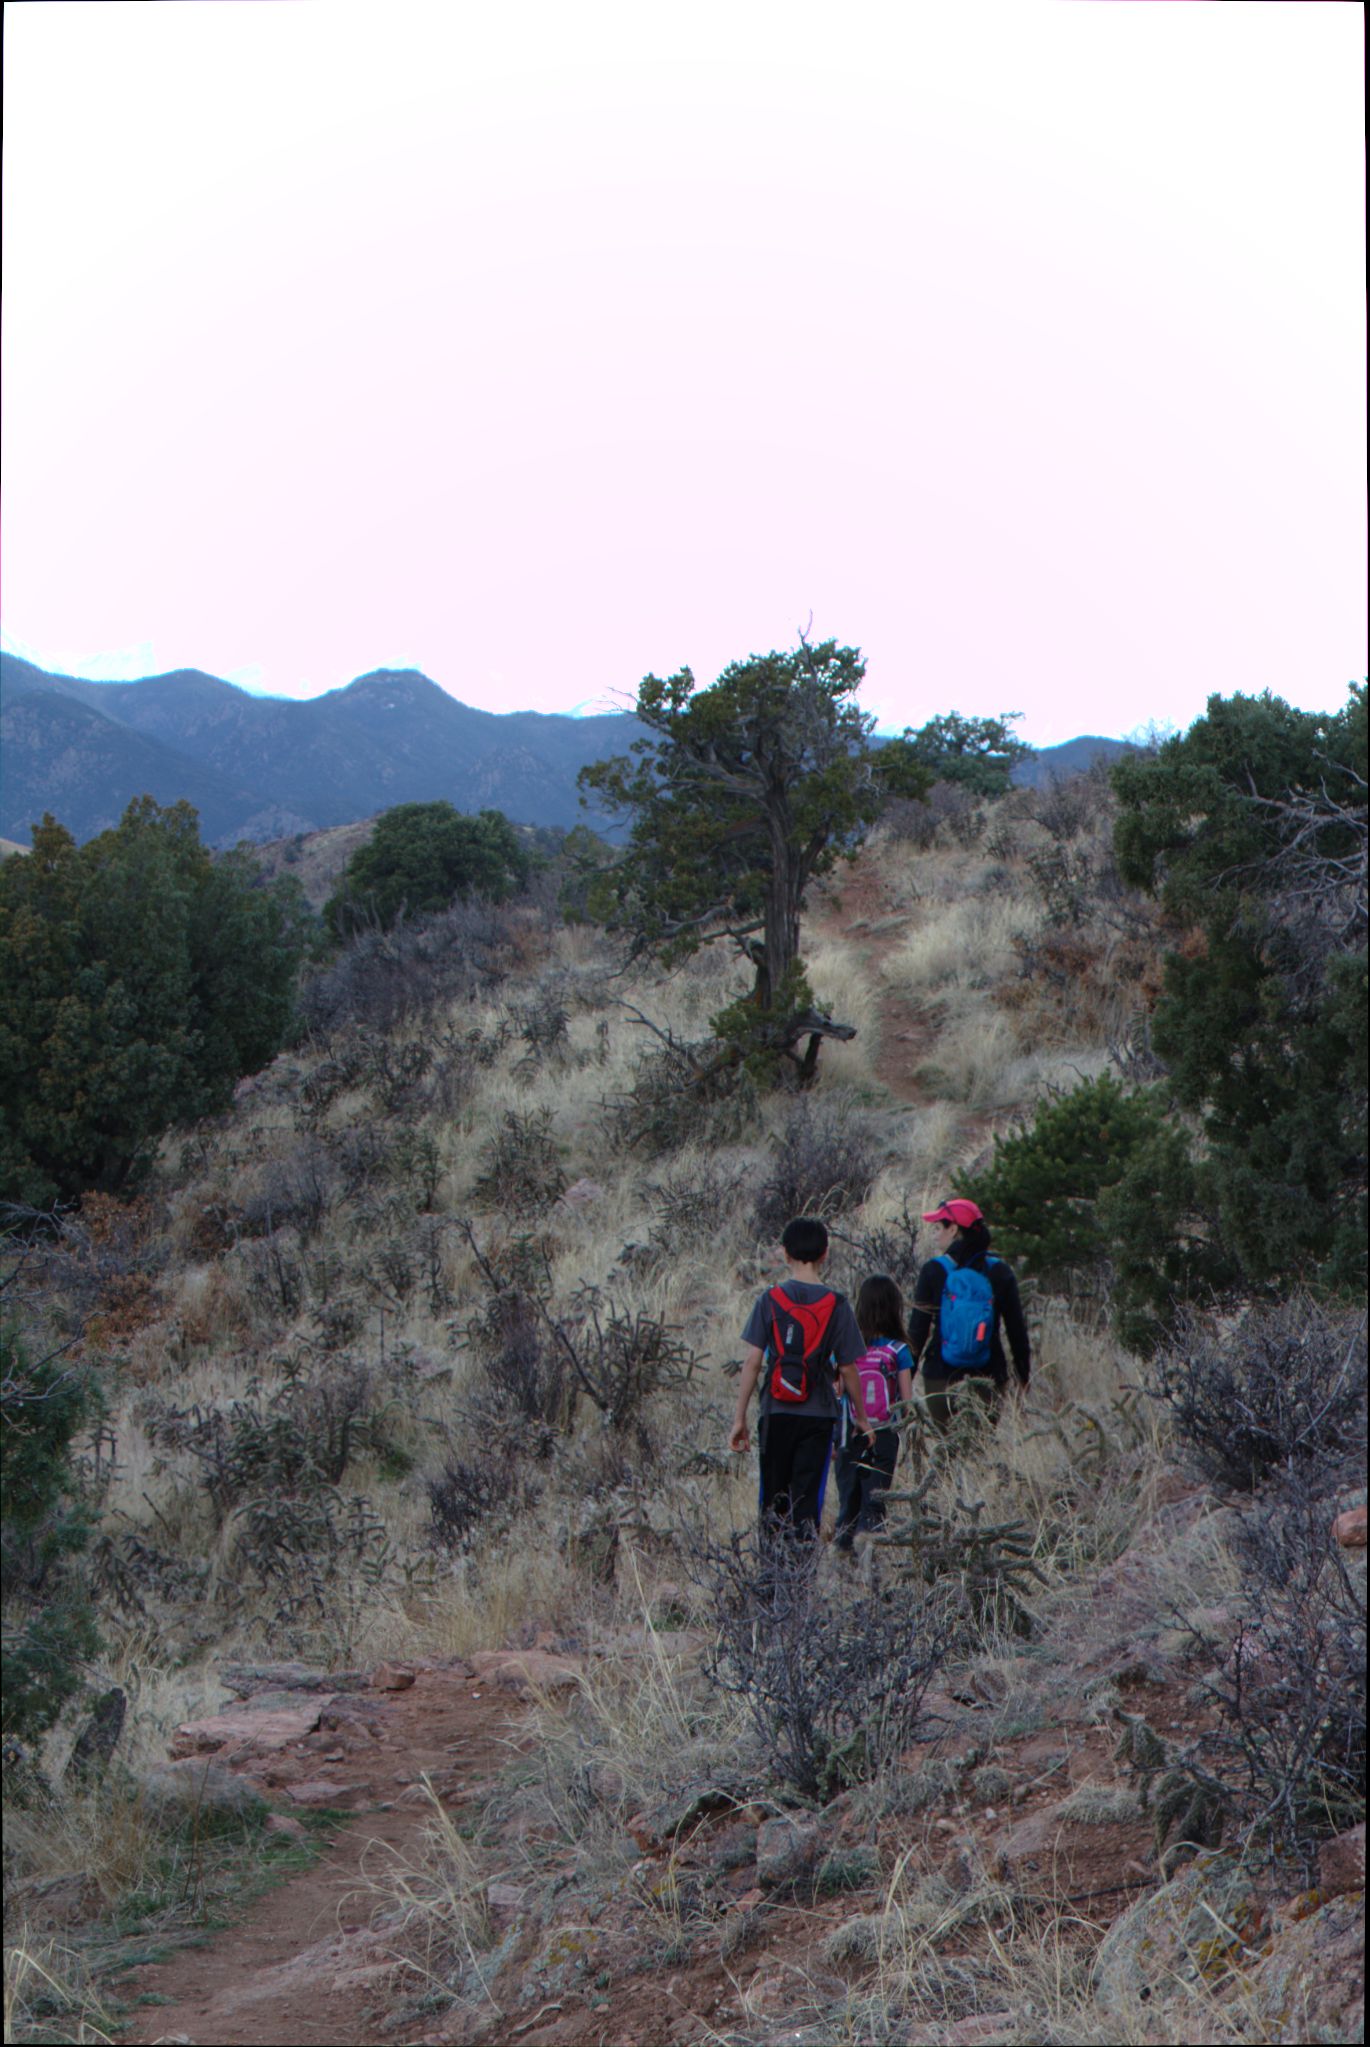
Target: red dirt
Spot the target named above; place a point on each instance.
(272, 1978)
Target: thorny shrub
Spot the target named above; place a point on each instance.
(522, 1173)
(544, 1028)
(296, 1439)
(833, 1686)
(825, 1160)
(1284, 1388)
(523, 1393)
(692, 1205)
(538, 1358)
(472, 1496)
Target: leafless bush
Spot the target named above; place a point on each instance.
(275, 1275)
(1289, 1749)
(295, 1439)
(948, 811)
(381, 978)
(395, 1074)
(682, 1093)
(826, 1158)
(893, 1249)
(1285, 1388)
(525, 1390)
(294, 1191)
(834, 1687)
(522, 1173)
(361, 1154)
(1314, 884)
(1067, 806)
(472, 1498)
(691, 1205)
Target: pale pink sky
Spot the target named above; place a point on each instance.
(540, 346)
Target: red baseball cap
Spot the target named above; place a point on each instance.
(963, 1213)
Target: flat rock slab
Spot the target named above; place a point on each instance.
(319, 1791)
(171, 1790)
(247, 1732)
(524, 1670)
(247, 1678)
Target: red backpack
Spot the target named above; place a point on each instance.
(798, 1334)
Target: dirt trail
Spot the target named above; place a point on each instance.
(302, 1966)
(859, 908)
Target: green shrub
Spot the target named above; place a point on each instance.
(422, 857)
(1044, 1188)
(139, 979)
(49, 1628)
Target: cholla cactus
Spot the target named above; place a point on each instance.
(992, 1562)
(1188, 1803)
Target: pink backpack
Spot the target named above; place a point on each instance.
(878, 1373)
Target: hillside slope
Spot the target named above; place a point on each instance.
(416, 1508)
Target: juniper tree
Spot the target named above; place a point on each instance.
(1252, 830)
(740, 796)
(139, 978)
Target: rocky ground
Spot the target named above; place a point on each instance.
(725, 1913)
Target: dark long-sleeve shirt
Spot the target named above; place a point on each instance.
(1009, 1320)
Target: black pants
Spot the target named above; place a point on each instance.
(942, 1395)
(864, 1472)
(794, 1450)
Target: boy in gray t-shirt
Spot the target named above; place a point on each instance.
(795, 1435)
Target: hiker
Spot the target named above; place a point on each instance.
(865, 1467)
(964, 1301)
(807, 1338)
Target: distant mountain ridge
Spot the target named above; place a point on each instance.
(265, 768)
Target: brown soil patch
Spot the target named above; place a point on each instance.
(302, 1967)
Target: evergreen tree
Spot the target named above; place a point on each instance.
(141, 979)
(741, 796)
(978, 753)
(420, 858)
(1252, 829)
(49, 1630)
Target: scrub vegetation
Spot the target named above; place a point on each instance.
(422, 1344)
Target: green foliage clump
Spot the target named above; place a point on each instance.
(141, 978)
(420, 858)
(1101, 1193)
(49, 1628)
(979, 754)
(1251, 828)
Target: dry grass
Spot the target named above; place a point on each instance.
(398, 1280)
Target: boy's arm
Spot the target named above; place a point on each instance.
(851, 1386)
(740, 1437)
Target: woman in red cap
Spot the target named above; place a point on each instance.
(964, 1302)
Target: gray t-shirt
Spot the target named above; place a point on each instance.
(845, 1345)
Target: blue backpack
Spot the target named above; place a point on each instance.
(966, 1317)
